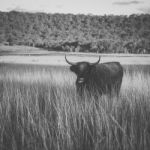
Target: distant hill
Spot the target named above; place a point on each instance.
(80, 33)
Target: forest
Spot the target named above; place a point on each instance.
(77, 33)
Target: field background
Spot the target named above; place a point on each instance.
(40, 110)
(31, 55)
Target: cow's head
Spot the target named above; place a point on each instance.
(82, 70)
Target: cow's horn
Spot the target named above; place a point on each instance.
(96, 62)
(71, 63)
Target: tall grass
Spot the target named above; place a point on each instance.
(39, 110)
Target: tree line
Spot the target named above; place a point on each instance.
(77, 33)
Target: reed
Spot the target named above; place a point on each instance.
(40, 110)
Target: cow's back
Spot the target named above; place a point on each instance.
(107, 75)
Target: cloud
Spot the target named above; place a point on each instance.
(135, 2)
(145, 10)
(18, 9)
(59, 6)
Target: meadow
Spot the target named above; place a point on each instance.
(40, 110)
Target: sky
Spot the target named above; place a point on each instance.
(95, 7)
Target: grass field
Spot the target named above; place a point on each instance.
(32, 55)
(40, 110)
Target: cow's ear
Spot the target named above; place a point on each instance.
(73, 68)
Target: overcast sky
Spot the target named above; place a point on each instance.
(96, 7)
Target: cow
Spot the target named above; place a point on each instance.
(104, 78)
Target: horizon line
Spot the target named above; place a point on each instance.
(86, 14)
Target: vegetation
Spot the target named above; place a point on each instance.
(79, 33)
(40, 110)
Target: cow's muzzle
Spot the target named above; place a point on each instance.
(80, 80)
